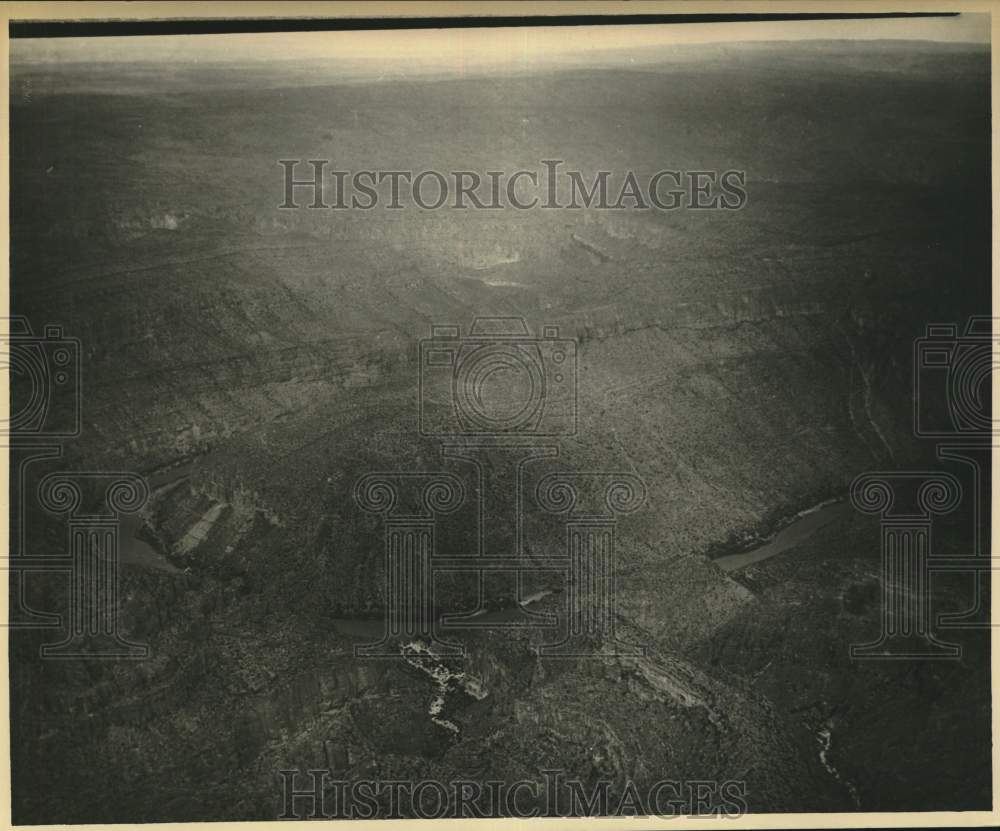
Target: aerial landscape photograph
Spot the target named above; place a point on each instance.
(530, 421)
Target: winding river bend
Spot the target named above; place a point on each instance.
(133, 549)
(136, 551)
(804, 525)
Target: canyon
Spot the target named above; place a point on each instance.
(253, 363)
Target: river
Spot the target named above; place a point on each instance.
(374, 627)
(132, 549)
(825, 740)
(804, 525)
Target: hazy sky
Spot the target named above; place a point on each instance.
(467, 48)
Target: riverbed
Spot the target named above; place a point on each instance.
(132, 549)
(804, 525)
